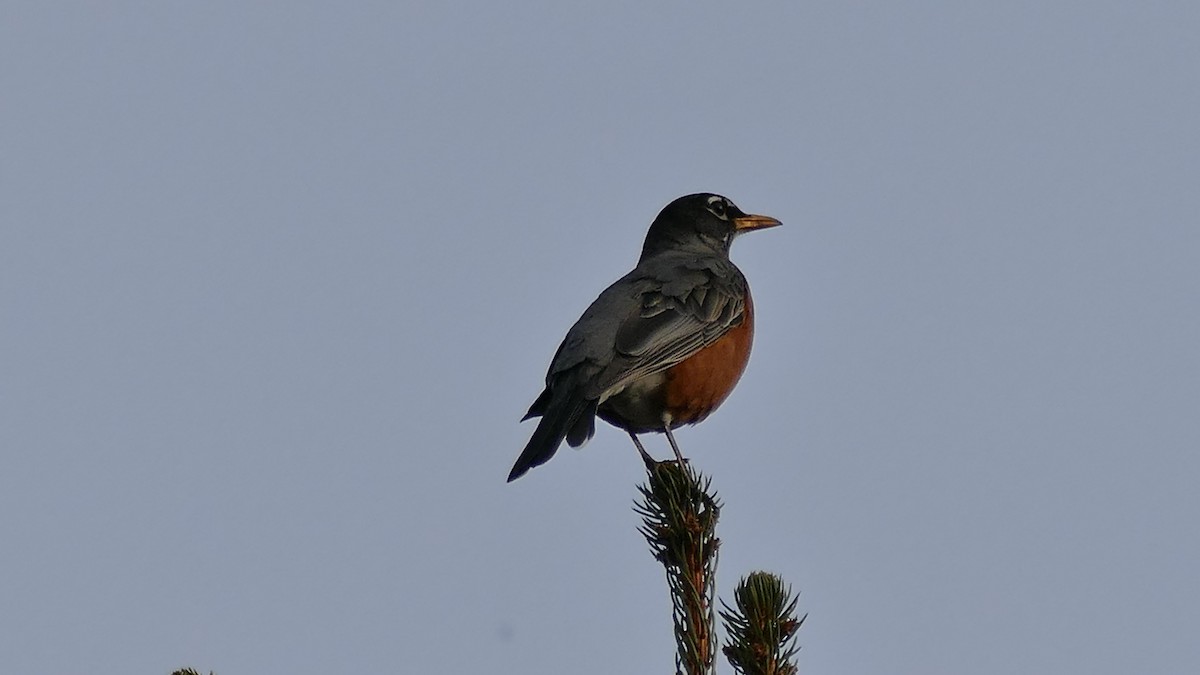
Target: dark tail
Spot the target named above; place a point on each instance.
(574, 421)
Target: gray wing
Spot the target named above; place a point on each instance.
(659, 314)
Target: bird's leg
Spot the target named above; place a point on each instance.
(650, 463)
(674, 445)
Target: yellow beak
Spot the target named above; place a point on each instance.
(747, 223)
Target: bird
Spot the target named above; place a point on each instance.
(663, 346)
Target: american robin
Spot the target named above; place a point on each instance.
(661, 347)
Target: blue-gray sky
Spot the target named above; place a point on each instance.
(279, 278)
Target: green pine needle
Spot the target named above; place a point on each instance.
(679, 518)
(762, 626)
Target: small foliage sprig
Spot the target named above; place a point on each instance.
(761, 626)
(679, 517)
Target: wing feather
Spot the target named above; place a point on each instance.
(676, 318)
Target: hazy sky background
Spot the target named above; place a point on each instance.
(278, 279)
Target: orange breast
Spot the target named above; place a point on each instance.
(698, 385)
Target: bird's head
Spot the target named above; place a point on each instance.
(704, 222)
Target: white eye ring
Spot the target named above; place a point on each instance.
(718, 207)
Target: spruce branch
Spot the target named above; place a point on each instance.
(679, 518)
(761, 627)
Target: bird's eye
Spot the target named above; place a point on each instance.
(717, 206)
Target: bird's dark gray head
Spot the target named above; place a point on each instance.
(704, 222)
